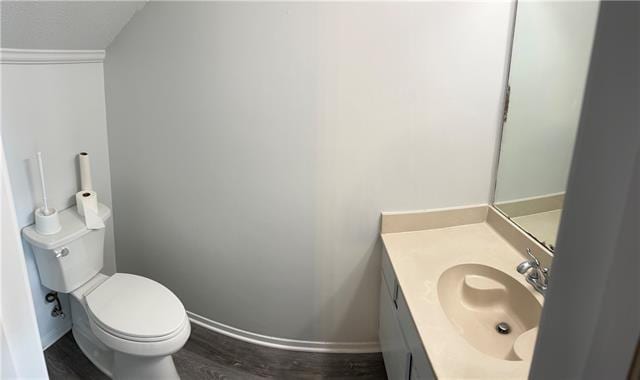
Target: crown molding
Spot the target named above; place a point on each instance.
(43, 57)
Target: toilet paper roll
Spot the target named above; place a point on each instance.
(47, 223)
(87, 203)
(87, 200)
(85, 172)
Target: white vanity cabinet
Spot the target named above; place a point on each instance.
(402, 349)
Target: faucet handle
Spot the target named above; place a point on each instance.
(546, 273)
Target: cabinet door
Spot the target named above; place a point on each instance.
(421, 367)
(414, 372)
(397, 357)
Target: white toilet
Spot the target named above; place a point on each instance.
(127, 325)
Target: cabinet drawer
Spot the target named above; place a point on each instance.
(389, 277)
(420, 360)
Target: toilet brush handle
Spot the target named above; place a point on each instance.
(45, 211)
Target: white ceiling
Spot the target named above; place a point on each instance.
(63, 24)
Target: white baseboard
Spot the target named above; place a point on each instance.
(285, 344)
(55, 334)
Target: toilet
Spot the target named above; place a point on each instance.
(127, 325)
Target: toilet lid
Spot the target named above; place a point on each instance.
(135, 306)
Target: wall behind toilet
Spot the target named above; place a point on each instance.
(254, 145)
(58, 109)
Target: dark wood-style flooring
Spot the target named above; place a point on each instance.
(209, 355)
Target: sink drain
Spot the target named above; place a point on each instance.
(503, 328)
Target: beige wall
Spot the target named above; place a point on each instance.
(253, 146)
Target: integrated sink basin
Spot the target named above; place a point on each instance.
(491, 310)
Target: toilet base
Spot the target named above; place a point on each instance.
(118, 365)
(100, 355)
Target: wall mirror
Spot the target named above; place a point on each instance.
(548, 72)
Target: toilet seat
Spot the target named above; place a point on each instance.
(135, 308)
(137, 347)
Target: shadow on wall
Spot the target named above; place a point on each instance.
(354, 291)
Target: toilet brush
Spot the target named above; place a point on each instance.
(47, 219)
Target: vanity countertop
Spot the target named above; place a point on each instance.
(419, 258)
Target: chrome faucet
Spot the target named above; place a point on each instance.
(537, 276)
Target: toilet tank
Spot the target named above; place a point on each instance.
(71, 257)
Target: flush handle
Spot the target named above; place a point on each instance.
(62, 252)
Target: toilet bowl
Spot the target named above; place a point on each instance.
(127, 325)
(135, 323)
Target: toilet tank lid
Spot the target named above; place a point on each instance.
(73, 227)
